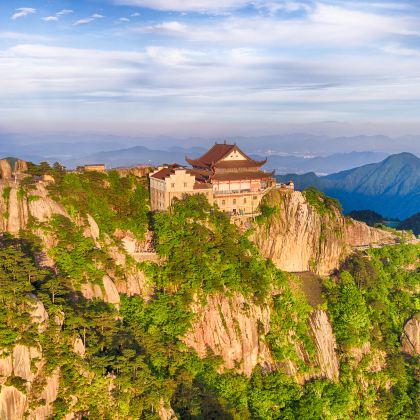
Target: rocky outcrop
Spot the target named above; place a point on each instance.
(166, 412)
(92, 229)
(358, 234)
(108, 292)
(299, 238)
(135, 282)
(91, 291)
(13, 403)
(326, 345)
(20, 167)
(410, 338)
(234, 329)
(78, 347)
(111, 292)
(48, 396)
(16, 210)
(25, 363)
(5, 170)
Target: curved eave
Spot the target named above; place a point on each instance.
(196, 162)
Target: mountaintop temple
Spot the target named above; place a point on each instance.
(225, 174)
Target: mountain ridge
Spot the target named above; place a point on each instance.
(391, 187)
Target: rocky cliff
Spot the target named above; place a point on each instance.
(298, 237)
(16, 208)
(7, 171)
(233, 329)
(24, 378)
(236, 330)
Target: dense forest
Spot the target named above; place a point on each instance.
(134, 358)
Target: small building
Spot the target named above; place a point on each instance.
(174, 181)
(228, 177)
(286, 186)
(95, 167)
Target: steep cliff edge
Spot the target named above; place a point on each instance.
(300, 237)
(16, 207)
(236, 330)
(233, 329)
(28, 390)
(99, 351)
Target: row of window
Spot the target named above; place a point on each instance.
(185, 185)
(235, 201)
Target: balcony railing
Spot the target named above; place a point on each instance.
(237, 192)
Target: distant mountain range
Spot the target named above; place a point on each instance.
(390, 187)
(412, 223)
(287, 152)
(281, 164)
(322, 165)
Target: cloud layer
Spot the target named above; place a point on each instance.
(238, 61)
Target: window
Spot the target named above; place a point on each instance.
(244, 200)
(173, 185)
(255, 197)
(223, 202)
(234, 201)
(185, 185)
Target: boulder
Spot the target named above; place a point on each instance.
(410, 338)
(111, 292)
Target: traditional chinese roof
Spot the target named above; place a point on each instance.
(214, 158)
(167, 171)
(240, 163)
(202, 186)
(236, 176)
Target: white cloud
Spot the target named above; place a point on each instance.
(57, 16)
(65, 12)
(172, 26)
(124, 19)
(89, 19)
(22, 12)
(136, 14)
(323, 27)
(50, 18)
(201, 6)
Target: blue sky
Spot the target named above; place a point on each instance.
(210, 67)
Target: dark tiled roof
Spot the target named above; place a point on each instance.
(163, 173)
(236, 176)
(240, 164)
(202, 186)
(215, 154)
(167, 171)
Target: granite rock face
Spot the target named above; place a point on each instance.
(234, 329)
(325, 344)
(15, 211)
(27, 364)
(5, 170)
(298, 238)
(410, 338)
